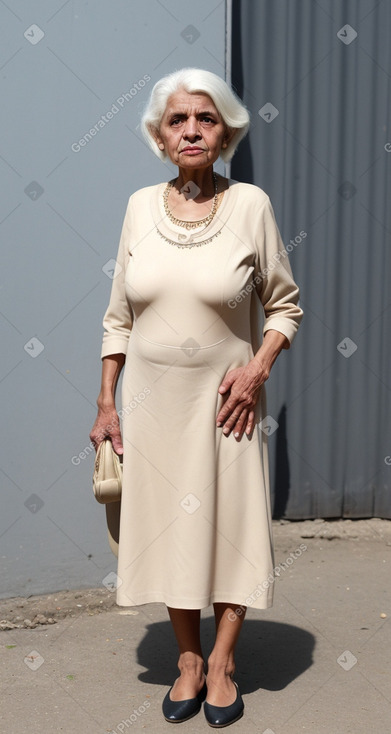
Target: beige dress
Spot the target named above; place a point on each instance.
(195, 523)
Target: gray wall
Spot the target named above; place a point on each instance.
(325, 161)
(61, 214)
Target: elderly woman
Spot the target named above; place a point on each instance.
(199, 256)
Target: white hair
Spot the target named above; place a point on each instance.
(233, 112)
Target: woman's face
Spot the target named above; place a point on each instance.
(192, 131)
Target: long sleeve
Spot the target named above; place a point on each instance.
(273, 277)
(118, 318)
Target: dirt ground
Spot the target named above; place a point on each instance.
(34, 611)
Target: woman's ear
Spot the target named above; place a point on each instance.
(228, 135)
(156, 136)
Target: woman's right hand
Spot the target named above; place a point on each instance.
(107, 426)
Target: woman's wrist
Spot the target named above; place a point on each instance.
(111, 368)
(106, 400)
(273, 342)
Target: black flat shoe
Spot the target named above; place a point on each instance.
(177, 711)
(219, 716)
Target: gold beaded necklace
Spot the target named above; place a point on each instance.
(185, 223)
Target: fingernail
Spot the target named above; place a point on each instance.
(236, 435)
(218, 423)
(225, 430)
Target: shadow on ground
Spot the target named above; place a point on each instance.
(269, 655)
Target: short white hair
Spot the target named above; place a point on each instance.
(233, 112)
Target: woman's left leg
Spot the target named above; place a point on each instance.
(221, 663)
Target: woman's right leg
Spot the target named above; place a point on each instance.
(186, 624)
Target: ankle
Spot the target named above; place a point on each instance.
(191, 664)
(221, 666)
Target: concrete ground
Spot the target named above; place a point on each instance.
(318, 661)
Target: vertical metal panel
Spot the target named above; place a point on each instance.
(325, 161)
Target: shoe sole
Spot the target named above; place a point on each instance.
(221, 726)
(180, 721)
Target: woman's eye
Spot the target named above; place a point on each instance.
(178, 120)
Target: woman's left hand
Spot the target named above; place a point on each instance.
(241, 388)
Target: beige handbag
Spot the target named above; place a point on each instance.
(107, 477)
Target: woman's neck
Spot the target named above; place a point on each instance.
(201, 180)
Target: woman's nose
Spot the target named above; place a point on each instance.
(191, 129)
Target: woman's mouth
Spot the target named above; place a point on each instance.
(192, 151)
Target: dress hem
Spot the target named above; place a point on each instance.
(175, 603)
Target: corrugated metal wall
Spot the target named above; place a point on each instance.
(316, 78)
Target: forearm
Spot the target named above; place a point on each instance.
(273, 342)
(111, 370)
